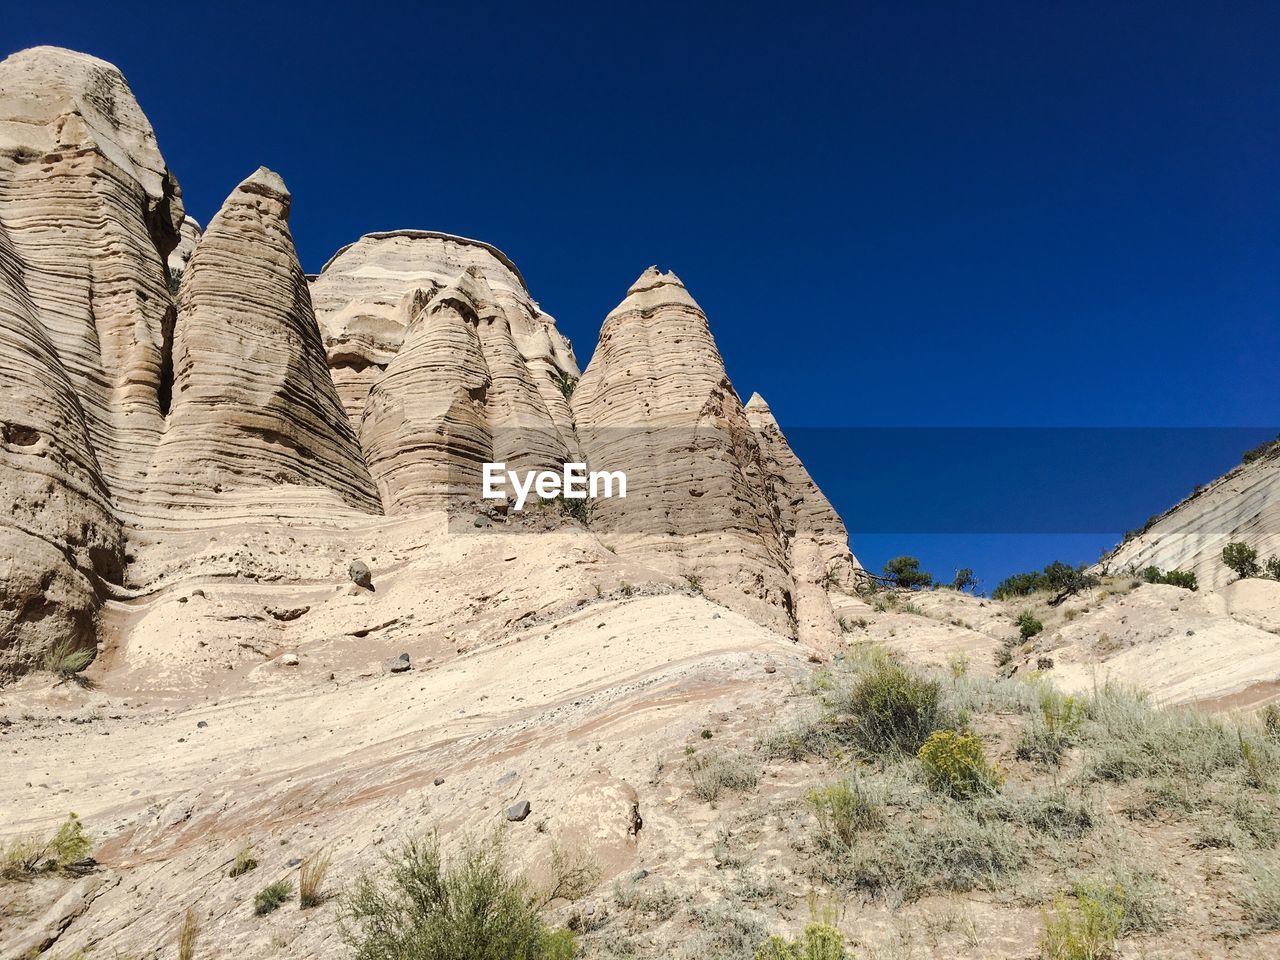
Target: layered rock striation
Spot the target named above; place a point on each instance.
(657, 403)
(253, 405)
(160, 383)
(1242, 506)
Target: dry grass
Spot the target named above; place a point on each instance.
(311, 880)
(188, 935)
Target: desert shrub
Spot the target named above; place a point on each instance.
(958, 665)
(960, 854)
(1272, 568)
(820, 941)
(571, 874)
(905, 572)
(1260, 451)
(1028, 625)
(244, 861)
(25, 856)
(311, 880)
(567, 384)
(1134, 739)
(1086, 929)
(965, 579)
(1174, 578)
(714, 772)
(271, 897)
(1241, 559)
(890, 709)
(956, 763)
(843, 810)
(188, 934)
(70, 843)
(1058, 577)
(475, 908)
(66, 660)
(1055, 728)
(1260, 894)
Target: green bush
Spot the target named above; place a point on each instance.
(1058, 577)
(271, 896)
(1085, 930)
(891, 709)
(843, 810)
(956, 763)
(965, 579)
(24, 856)
(1028, 625)
(1174, 578)
(475, 908)
(1242, 559)
(905, 572)
(819, 942)
(1260, 451)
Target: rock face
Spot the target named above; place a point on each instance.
(88, 214)
(816, 540)
(253, 405)
(58, 535)
(92, 213)
(424, 429)
(656, 402)
(368, 293)
(161, 385)
(1242, 505)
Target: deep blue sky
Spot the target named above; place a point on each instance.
(895, 214)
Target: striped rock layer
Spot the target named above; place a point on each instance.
(157, 380)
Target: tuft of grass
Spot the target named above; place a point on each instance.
(65, 660)
(188, 934)
(572, 874)
(1086, 929)
(843, 810)
(900, 864)
(714, 772)
(271, 897)
(24, 857)
(1260, 895)
(820, 941)
(473, 908)
(244, 862)
(311, 876)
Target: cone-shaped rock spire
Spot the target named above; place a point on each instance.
(253, 404)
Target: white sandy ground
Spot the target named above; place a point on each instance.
(546, 668)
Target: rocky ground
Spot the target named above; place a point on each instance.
(604, 710)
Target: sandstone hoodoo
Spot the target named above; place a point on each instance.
(253, 405)
(211, 381)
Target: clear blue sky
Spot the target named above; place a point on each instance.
(895, 214)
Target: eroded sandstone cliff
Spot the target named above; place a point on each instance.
(167, 392)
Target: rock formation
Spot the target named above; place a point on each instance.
(58, 536)
(1242, 505)
(424, 429)
(815, 537)
(162, 386)
(364, 301)
(655, 401)
(92, 212)
(253, 405)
